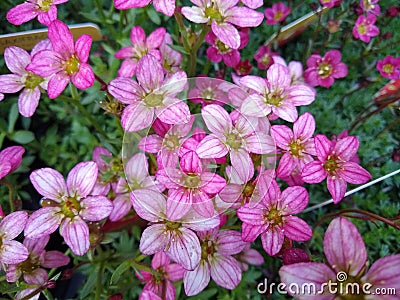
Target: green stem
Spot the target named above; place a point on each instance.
(104, 18)
(193, 51)
(10, 194)
(99, 285)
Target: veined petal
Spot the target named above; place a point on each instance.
(286, 111)
(255, 83)
(13, 224)
(272, 240)
(251, 215)
(154, 239)
(217, 119)
(278, 76)
(282, 135)
(136, 117)
(137, 35)
(286, 165)
(82, 47)
(304, 127)
(84, 78)
(125, 90)
(296, 229)
(28, 101)
(244, 17)
(242, 163)
(173, 111)
(22, 13)
(254, 106)
(301, 94)
(229, 242)
(13, 252)
(179, 203)
(61, 38)
(148, 204)
(253, 3)
(347, 147)
(294, 199)
(10, 83)
(45, 63)
(16, 59)
(76, 234)
(54, 259)
(175, 272)
(57, 84)
(191, 163)
(38, 276)
(313, 172)
(211, 183)
(155, 39)
(194, 14)
(184, 248)
(49, 183)
(211, 147)
(82, 178)
(353, 173)
(337, 188)
(149, 72)
(225, 271)
(251, 232)
(121, 207)
(151, 143)
(323, 146)
(260, 143)
(195, 281)
(36, 246)
(344, 247)
(174, 84)
(231, 192)
(167, 7)
(227, 34)
(43, 221)
(137, 168)
(95, 208)
(203, 204)
(47, 17)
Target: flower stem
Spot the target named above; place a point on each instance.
(10, 194)
(99, 284)
(193, 51)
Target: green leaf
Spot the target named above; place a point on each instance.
(154, 17)
(179, 49)
(122, 268)
(12, 117)
(22, 137)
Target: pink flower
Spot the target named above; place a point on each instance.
(389, 67)
(219, 51)
(12, 252)
(277, 13)
(334, 162)
(165, 273)
(275, 94)
(221, 14)
(346, 259)
(105, 162)
(252, 3)
(297, 145)
(208, 91)
(10, 159)
(365, 28)
(324, 70)
(66, 62)
(264, 57)
(154, 95)
(191, 187)
(38, 257)
(17, 60)
(175, 237)
(171, 59)
(238, 139)
(330, 3)
(140, 47)
(45, 11)
(167, 7)
(216, 261)
(243, 68)
(370, 7)
(272, 218)
(68, 204)
(247, 257)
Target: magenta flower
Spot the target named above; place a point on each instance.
(154, 95)
(264, 57)
(170, 58)
(17, 60)
(165, 273)
(272, 218)
(324, 70)
(330, 3)
(277, 13)
(238, 139)
(389, 67)
(346, 264)
(31, 268)
(275, 94)
(66, 62)
(247, 257)
(167, 7)
(370, 7)
(297, 145)
(365, 28)
(45, 11)
(193, 186)
(208, 91)
(334, 162)
(12, 252)
(221, 14)
(10, 160)
(140, 47)
(216, 261)
(68, 204)
(218, 51)
(176, 238)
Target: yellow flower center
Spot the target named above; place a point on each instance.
(72, 65)
(32, 80)
(45, 5)
(324, 70)
(212, 12)
(388, 68)
(362, 29)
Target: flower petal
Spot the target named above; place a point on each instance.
(154, 239)
(43, 221)
(61, 38)
(195, 281)
(16, 59)
(82, 178)
(217, 119)
(227, 34)
(296, 229)
(184, 248)
(84, 78)
(272, 240)
(13, 252)
(76, 234)
(10, 83)
(95, 208)
(82, 47)
(336, 187)
(54, 259)
(148, 204)
(13, 224)
(294, 199)
(313, 172)
(136, 116)
(225, 271)
(49, 183)
(28, 101)
(211, 147)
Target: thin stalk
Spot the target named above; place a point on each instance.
(193, 51)
(104, 18)
(10, 194)
(99, 285)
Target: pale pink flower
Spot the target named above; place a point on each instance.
(324, 70)
(165, 273)
(167, 7)
(252, 3)
(141, 45)
(222, 15)
(216, 261)
(12, 252)
(32, 268)
(239, 139)
(154, 95)
(275, 94)
(273, 219)
(208, 91)
(370, 7)
(334, 162)
(247, 257)
(297, 145)
(389, 67)
(346, 256)
(176, 238)
(17, 60)
(295, 69)
(108, 167)
(277, 13)
(193, 186)
(364, 28)
(44, 10)
(66, 62)
(10, 159)
(170, 58)
(68, 204)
